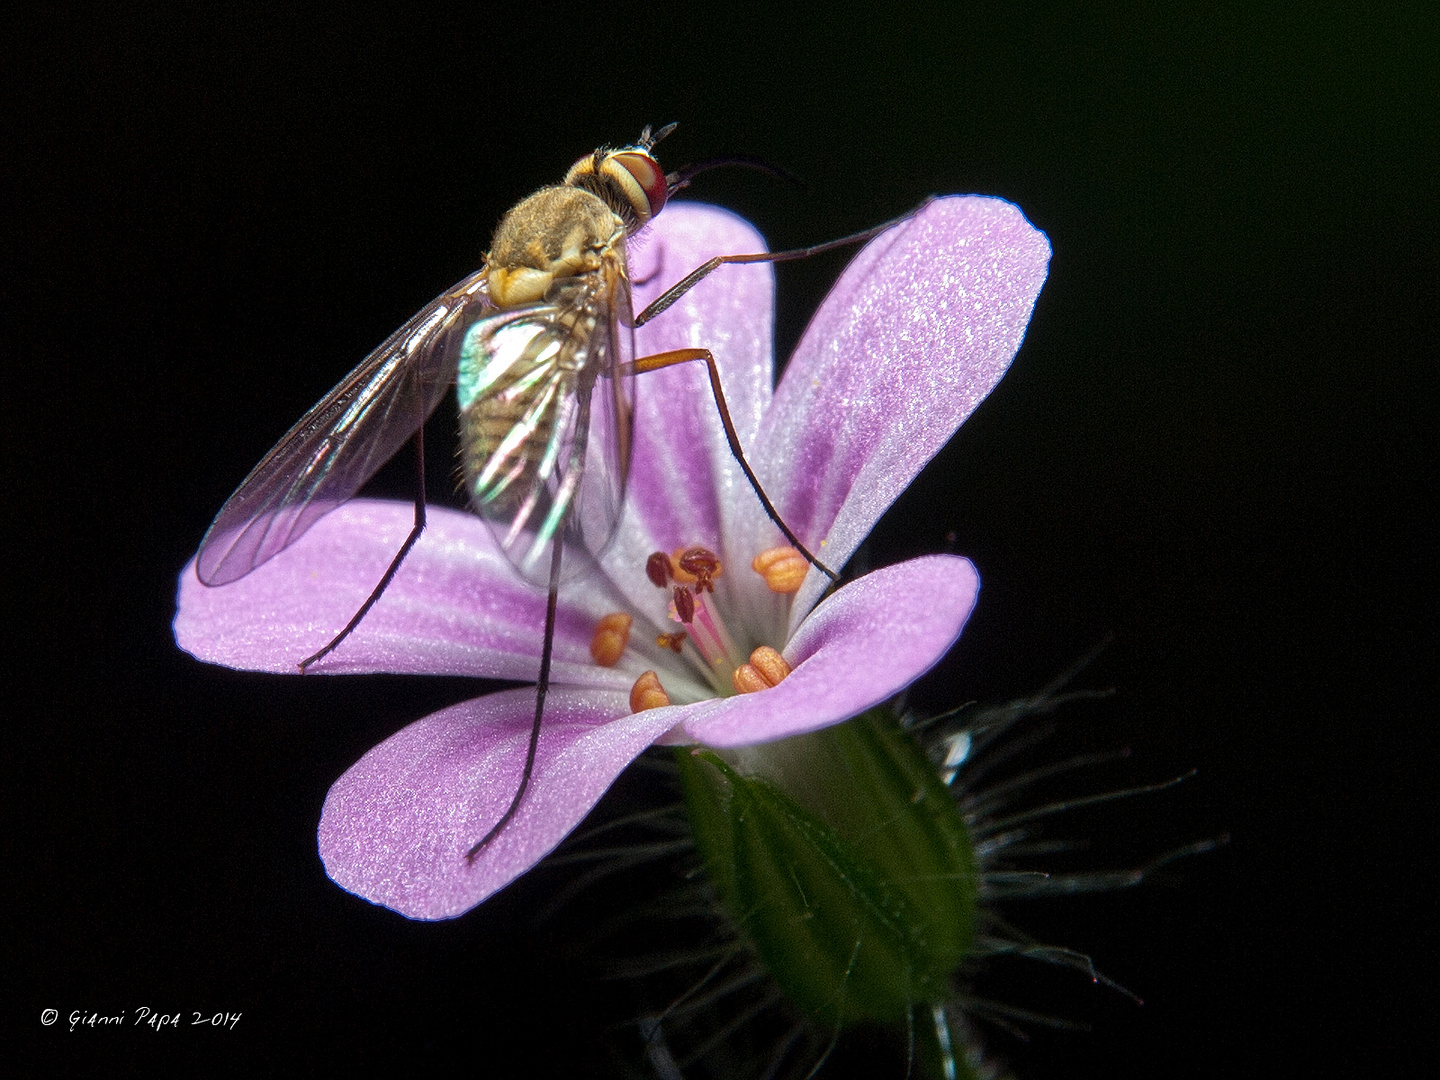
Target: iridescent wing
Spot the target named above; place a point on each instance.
(344, 440)
(545, 420)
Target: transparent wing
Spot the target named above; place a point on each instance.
(344, 440)
(544, 451)
(602, 490)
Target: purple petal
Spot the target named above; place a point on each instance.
(683, 474)
(916, 332)
(860, 647)
(397, 825)
(455, 608)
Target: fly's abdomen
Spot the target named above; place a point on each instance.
(517, 383)
(508, 445)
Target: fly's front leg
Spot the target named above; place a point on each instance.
(690, 280)
(679, 356)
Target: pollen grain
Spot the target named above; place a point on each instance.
(674, 642)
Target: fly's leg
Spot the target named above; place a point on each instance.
(679, 356)
(690, 280)
(415, 531)
(542, 686)
(547, 648)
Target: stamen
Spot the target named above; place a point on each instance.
(647, 693)
(696, 566)
(770, 664)
(657, 569)
(783, 569)
(766, 668)
(747, 680)
(674, 642)
(612, 634)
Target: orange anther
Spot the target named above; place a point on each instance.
(766, 668)
(612, 634)
(747, 680)
(647, 693)
(770, 664)
(783, 569)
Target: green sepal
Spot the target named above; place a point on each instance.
(843, 859)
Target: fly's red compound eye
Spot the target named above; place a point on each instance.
(631, 175)
(643, 172)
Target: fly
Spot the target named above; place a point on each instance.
(539, 344)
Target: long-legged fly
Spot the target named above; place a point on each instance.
(539, 343)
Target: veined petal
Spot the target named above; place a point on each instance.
(683, 478)
(396, 827)
(455, 608)
(917, 331)
(860, 647)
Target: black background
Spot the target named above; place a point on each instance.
(1215, 445)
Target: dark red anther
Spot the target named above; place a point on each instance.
(657, 569)
(703, 564)
(684, 605)
(674, 642)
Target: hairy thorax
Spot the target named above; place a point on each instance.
(557, 233)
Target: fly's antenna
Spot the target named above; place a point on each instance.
(647, 141)
(681, 178)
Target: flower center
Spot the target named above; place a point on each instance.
(702, 636)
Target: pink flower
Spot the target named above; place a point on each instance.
(916, 332)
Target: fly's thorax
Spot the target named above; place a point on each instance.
(556, 233)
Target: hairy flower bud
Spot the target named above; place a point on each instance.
(843, 859)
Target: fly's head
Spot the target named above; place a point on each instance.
(628, 180)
